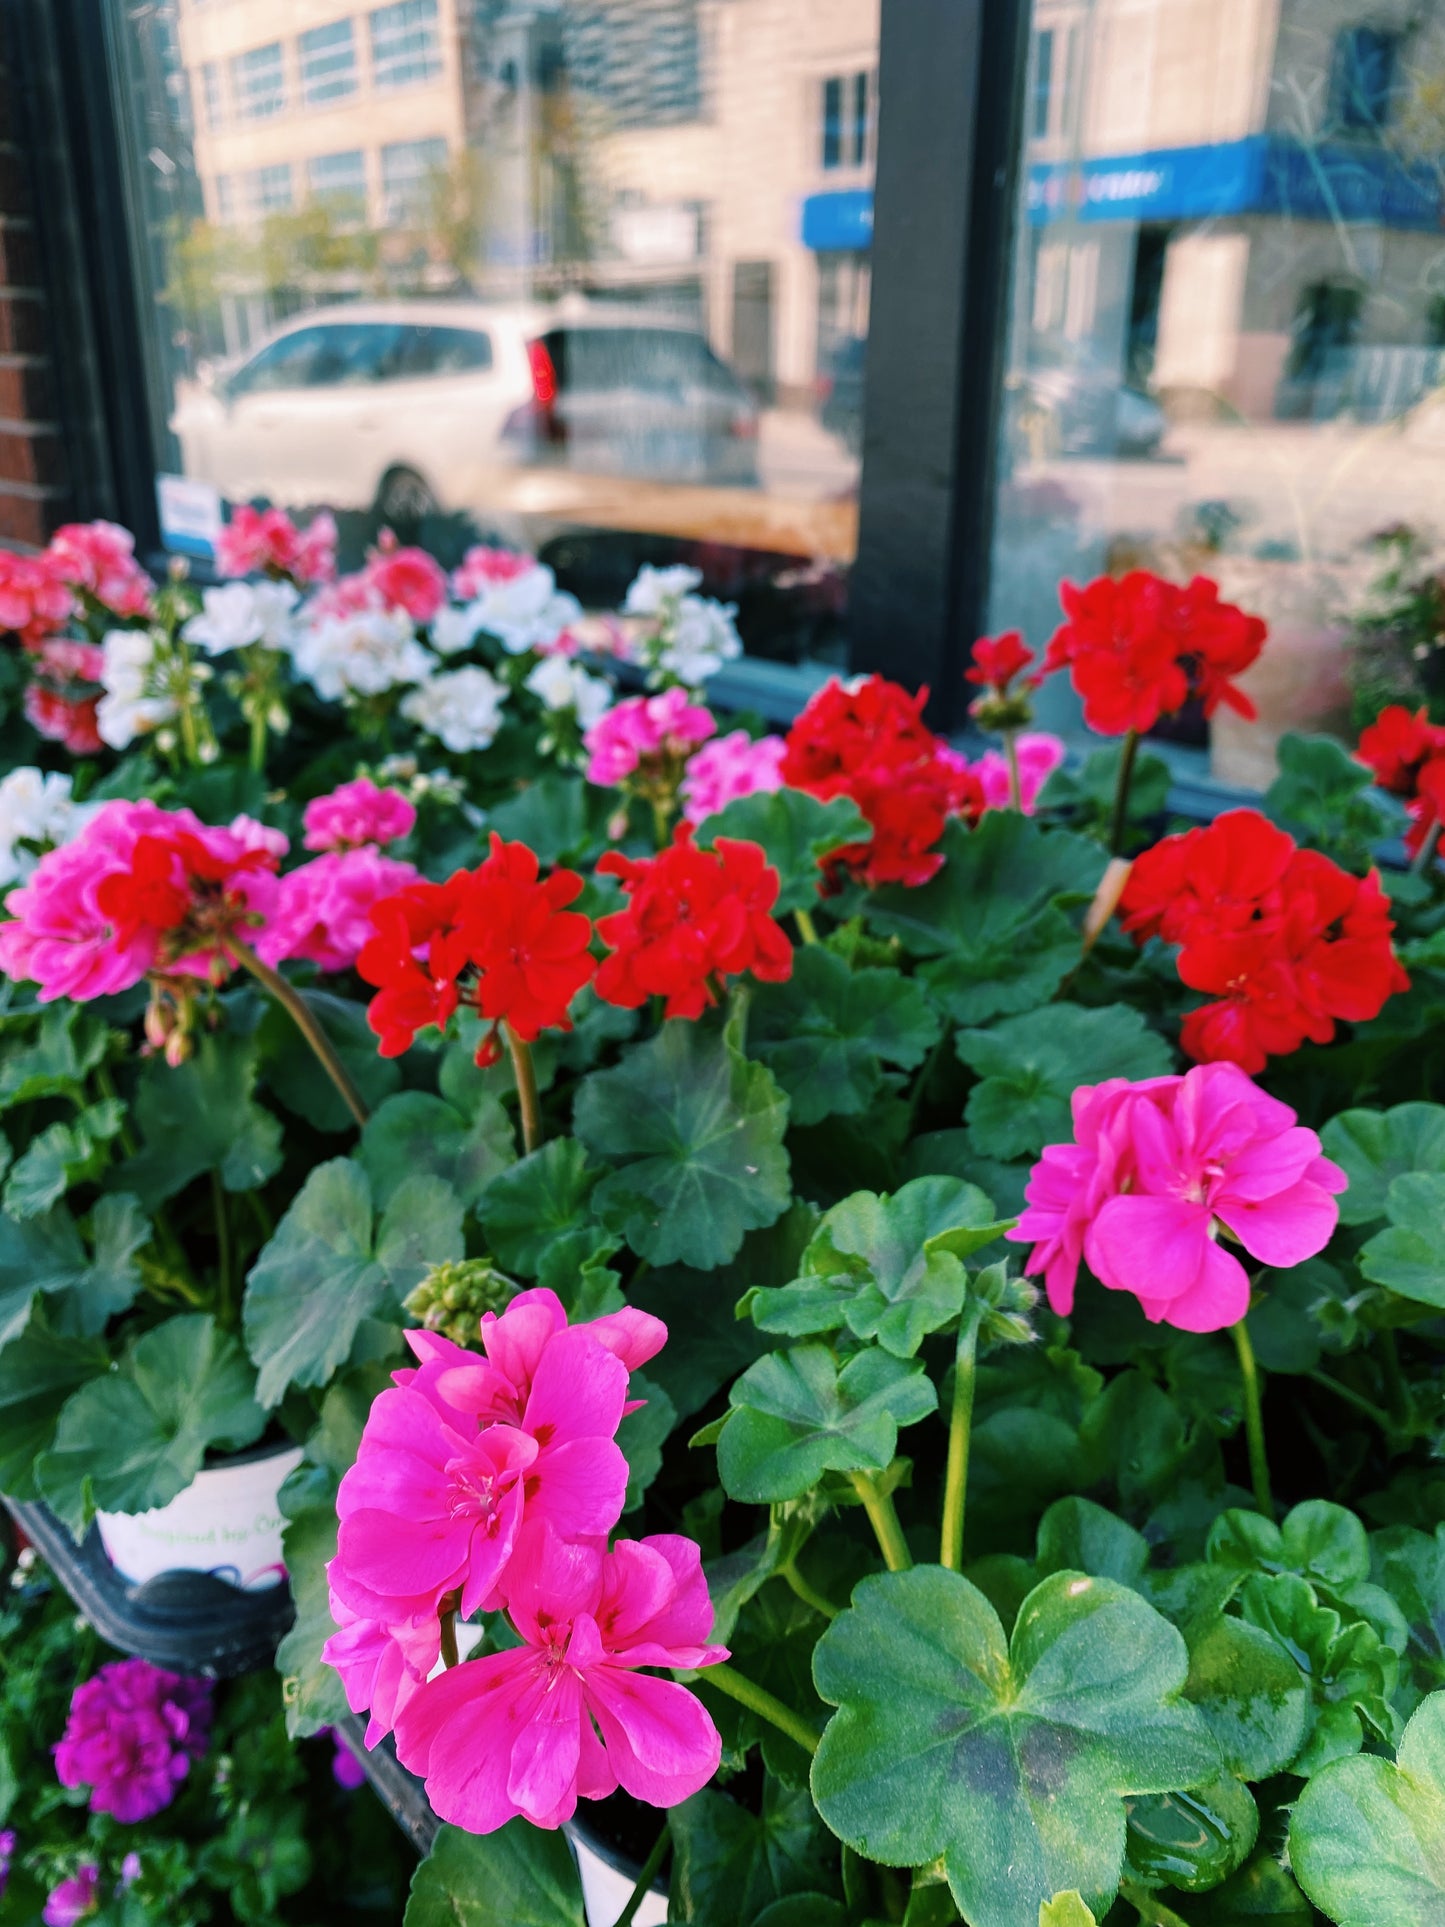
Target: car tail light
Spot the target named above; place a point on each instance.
(544, 374)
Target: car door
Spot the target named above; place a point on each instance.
(442, 403)
(252, 441)
(339, 429)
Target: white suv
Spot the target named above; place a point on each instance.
(405, 405)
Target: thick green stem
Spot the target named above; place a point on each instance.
(1120, 825)
(448, 1626)
(257, 757)
(883, 1517)
(1253, 1419)
(807, 929)
(809, 1594)
(1015, 781)
(960, 1427)
(525, 1072)
(759, 1700)
(661, 822)
(224, 1267)
(651, 1867)
(291, 1001)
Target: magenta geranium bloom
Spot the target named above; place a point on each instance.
(133, 1733)
(356, 814)
(74, 1898)
(381, 1666)
(1161, 1177)
(568, 1714)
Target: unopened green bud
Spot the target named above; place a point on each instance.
(452, 1297)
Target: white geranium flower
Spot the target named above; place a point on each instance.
(561, 683)
(701, 637)
(36, 814)
(462, 708)
(362, 653)
(129, 707)
(527, 612)
(454, 628)
(240, 613)
(652, 589)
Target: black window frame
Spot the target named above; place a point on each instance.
(949, 112)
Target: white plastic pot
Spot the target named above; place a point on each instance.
(607, 1888)
(227, 1522)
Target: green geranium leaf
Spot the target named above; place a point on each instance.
(991, 918)
(1408, 1257)
(540, 1199)
(1191, 1840)
(38, 1372)
(520, 1874)
(1067, 1910)
(729, 1863)
(310, 1689)
(1291, 1322)
(698, 1133)
(295, 1077)
(65, 1153)
(1351, 1672)
(136, 1437)
(68, 1044)
(1373, 1148)
(1320, 1541)
(642, 1435)
(1075, 1535)
(1012, 1759)
(326, 1269)
(1410, 1566)
(417, 1135)
(1250, 1693)
(47, 1255)
(796, 1416)
(796, 831)
(1030, 1067)
(1367, 1837)
(888, 1268)
(825, 1033)
(201, 1116)
(1328, 801)
(558, 817)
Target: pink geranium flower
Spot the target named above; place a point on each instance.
(133, 1733)
(381, 1666)
(1159, 1174)
(570, 1714)
(99, 557)
(727, 768)
(268, 542)
(403, 578)
(357, 813)
(322, 911)
(642, 730)
(69, 720)
(34, 600)
(482, 567)
(1039, 755)
(73, 1898)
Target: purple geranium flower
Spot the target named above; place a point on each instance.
(132, 1734)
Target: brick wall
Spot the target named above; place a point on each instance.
(33, 493)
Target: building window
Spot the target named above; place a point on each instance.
(406, 168)
(405, 44)
(258, 82)
(224, 198)
(328, 63)
(213, 95)
(1362, 79)
(1043, 83)
(340, 181)
(847, 120)
(267, 190)
(641, 60)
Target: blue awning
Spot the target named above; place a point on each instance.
(838, 221)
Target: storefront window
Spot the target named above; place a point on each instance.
(1225, 335)
(589, 277)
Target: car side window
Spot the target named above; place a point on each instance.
(287, 363)
(354, 354)
(459, 351)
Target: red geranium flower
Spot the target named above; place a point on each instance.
(998, 659)
(1398, 745)
(498, 938)
(695, 917)
(64, 719)
(1284, 940)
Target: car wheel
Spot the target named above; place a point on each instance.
(405, 498)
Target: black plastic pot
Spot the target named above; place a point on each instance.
(190, 1622)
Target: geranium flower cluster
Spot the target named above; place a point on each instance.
(730, 767)
(694, 919)
(62, 700)
(645, 742)
(1405, 751)
(1285, 941)
(38, 813)
(268, 542)
(867, 740)
(1138, 648)
(1160, 1176)
(683, 637)
(490, 1483)
(511, 597)
(133, 1734)
(357, 814)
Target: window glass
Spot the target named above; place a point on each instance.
(328, 63)
(1227, 312)
(625, 245)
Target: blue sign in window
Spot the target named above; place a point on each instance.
(839, 221)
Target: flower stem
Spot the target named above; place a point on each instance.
(661, 823)
(290, 999)
(960, 1425)
(448, 1623)
(223, 1248)
(807, 929)
(257, 759)
(1127, 754)
(1015, 781)
(1253, 1419)
(1150, 1909)
(650, 1867)
(759, 1700)
(883, 1517)
(809, 1595)
(525, 1072)
(1356, 1399)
